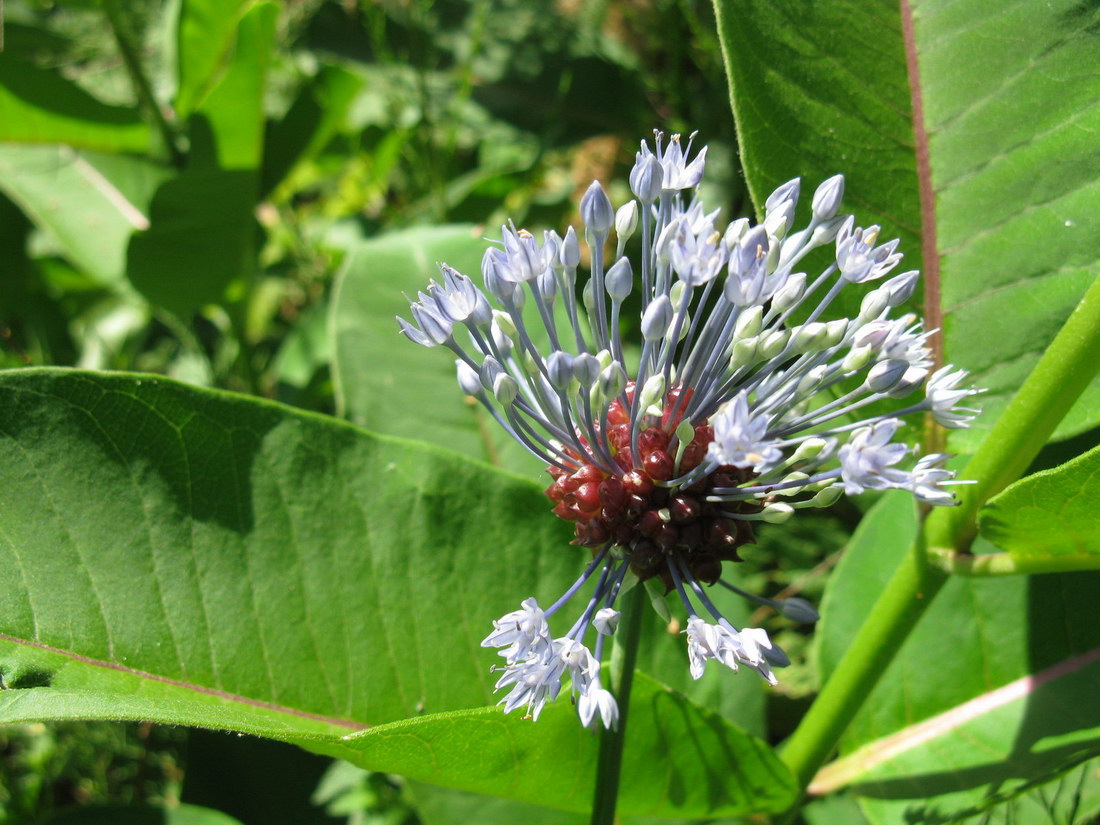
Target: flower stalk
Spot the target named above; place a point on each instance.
(621, 680)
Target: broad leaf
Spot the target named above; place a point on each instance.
(205, 31)
(988, 696)
(388, 384)
(193, 557)
(140, 815)
(683, 761)
(200, 245)
(884, 534)
(213, 549)
(89, 203)
(1010, 206)
(1050, 513)
(40, 106)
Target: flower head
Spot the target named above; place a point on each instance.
(740, 404)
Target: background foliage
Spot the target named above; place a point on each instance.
(234, 195)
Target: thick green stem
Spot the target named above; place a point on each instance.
(1066, 368)
(621, 679)
(893, 616)
(1063, 372)
(1006, 564)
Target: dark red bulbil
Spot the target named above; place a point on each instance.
(629, 509)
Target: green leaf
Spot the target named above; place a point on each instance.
(193, 557)
(214, 199)
(987, 697)
(89, 203)
(198, 557)
(1050, 513)
(387, 383)
(884, 534)
(444, 806)
(40, 106)
(139, 815)
(315, 116)
(199, 246)
(227, 128)
(684, 761)
(205, 33)
(1011, 203)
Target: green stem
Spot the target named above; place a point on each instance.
(1065, 369)
(1006, 564)
(1063, 372)
(908, 594)
(610, 759)
(141, 83)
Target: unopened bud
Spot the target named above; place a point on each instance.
(791, 293)
(798, 610)
(626, 221)
(827, 198)
(657, 318)
(857, 358)
(606, 620)
(468, 379)
(619, 279)
(749, 322)
(596, 210)
(777, 512)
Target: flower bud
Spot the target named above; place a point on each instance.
(468, 380)
(857, 358)
(749, 323)
(619, 279)
(772, 343)
(612, 381)
(653, 390)
(606, 620)
(559, 368)
(809, 449)
(777, 512)
(827, 198)
(827, 497)
(657, 318)
(646, 177)
(505, 388)
(885, 375)
(570, 253)
(626, 222)
(586, 369)
(791, 293)
(874, 302)
(901, 287)
(745, 352)
(796, 609)
(596, 211)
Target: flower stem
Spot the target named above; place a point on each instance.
(621, 679)
(1066, 368)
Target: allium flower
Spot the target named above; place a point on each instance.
(738, 405)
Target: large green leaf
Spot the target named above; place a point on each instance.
(884, 534)
(1010, 200)
(40, 106)
(988, 696)
(139, 815)
(200, 246)
(89, 203)
(682, 760)
(194, 557)
(391, 385)
(205, 31)
(1050, 513)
